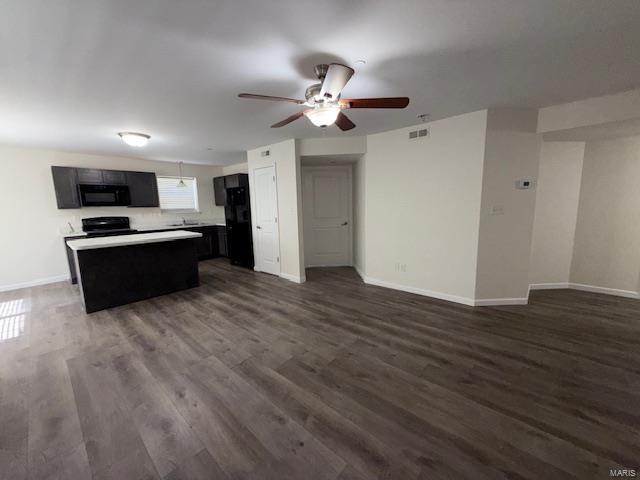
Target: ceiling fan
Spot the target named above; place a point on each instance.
(324, 101)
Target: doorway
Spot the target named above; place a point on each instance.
(328, 217)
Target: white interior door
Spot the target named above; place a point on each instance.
(326, 198)
(265, 206)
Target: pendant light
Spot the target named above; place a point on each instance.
(181, 182)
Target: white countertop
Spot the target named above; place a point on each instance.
(177, 227)
(133, 239)
(150, 228)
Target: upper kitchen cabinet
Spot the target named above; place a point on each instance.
(219, 191)
(143, 188)
(89, 176)
(65, 183)
(220, 185)
(114, 177)
(236, 180)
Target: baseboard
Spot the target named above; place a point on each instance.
(548, 286)
(329, 266)
(34, 283)
(359, 272)
(418, 291)
(293, 278)
(607, 291)
(585, 288)
(489, 302)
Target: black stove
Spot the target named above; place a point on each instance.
(106, 226)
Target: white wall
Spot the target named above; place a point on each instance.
(558, 192)
(284, 156)
(607, 240)
(591, 111)
(423, 206)
(236, 168)
(31, 245)
(332, 146)
(506, 219)
(359, 216)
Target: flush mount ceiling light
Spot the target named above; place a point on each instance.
(323, 115)
(134, 139)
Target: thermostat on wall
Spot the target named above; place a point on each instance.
(524, 184)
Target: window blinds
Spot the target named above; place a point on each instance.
(174, 197)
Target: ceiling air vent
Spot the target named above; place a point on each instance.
(419, 134)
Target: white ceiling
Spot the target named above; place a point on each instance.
(75, 72)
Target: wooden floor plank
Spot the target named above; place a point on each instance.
(252, 377)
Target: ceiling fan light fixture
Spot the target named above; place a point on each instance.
(323, 116)
(134, 139)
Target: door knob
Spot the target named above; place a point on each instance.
(345, 223)
(258, 227)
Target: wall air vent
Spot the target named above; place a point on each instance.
(419, 134)
(265, 153)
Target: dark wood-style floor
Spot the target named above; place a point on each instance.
(253, 377)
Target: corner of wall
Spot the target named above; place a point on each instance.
(512, 150)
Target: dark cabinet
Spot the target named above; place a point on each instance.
(143, 189)
(204, 246)
(97, 176)
(65, 184)
(219, 191)
(221, 184)
(114, 177)
(89, 175)
(223, 251)
(212, 244)
(71, 260)
(207, 245)
(236, 180)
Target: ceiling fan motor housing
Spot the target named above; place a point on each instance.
(321, 70)
(312, 92)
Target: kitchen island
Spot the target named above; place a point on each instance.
(121, 269)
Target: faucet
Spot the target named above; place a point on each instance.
(184, 221)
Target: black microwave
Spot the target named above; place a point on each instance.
(104, 195)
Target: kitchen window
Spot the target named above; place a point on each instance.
(178, 197)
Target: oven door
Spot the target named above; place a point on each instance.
(104, 195)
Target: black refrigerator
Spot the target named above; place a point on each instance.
(237, 212)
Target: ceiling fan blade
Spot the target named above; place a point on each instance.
(288, 120)
(336, 78)
(269, 97)
(390, 102)
(344, 123)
